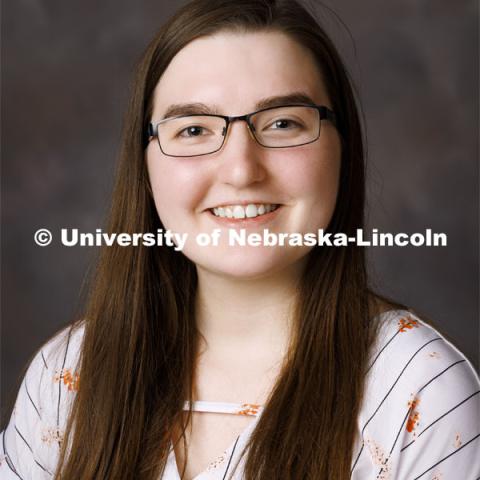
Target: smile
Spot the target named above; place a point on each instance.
(244, 211)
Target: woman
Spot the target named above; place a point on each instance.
(231, 361)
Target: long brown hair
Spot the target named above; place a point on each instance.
(140, 341)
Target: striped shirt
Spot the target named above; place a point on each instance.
(420, 417)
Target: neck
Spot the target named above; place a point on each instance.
(246, 316)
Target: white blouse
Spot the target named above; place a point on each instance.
(420, 417)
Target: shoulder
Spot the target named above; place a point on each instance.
(53, 372)
(31, 440)
(52, 376)
(422, 405)
(62, 350)
(410, 350)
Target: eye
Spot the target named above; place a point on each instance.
(192, 131)
(284, 124)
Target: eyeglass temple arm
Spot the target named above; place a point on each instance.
(151, 130)
(327, 114)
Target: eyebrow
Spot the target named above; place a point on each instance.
(178, 109)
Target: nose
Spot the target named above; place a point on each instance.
(240, 163)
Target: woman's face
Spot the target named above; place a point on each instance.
(232, 73)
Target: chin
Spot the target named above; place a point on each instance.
(251, 263)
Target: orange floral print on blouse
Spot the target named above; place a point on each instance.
(407, 323)
(414, 416)
(249, 409)
(70, 380)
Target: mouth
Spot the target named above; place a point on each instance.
(240, 212)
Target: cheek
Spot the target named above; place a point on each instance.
(312, 178)
(177, 186)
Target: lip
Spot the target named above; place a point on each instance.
(242, 202)
(245, 222)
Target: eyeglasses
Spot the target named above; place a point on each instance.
(275, 127)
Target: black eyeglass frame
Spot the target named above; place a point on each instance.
(325, 113)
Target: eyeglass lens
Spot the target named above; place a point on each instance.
(275, 127)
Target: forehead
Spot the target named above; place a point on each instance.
(233, 71)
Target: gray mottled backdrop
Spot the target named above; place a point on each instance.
(66, 68)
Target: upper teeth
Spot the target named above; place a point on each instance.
(242, 211)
